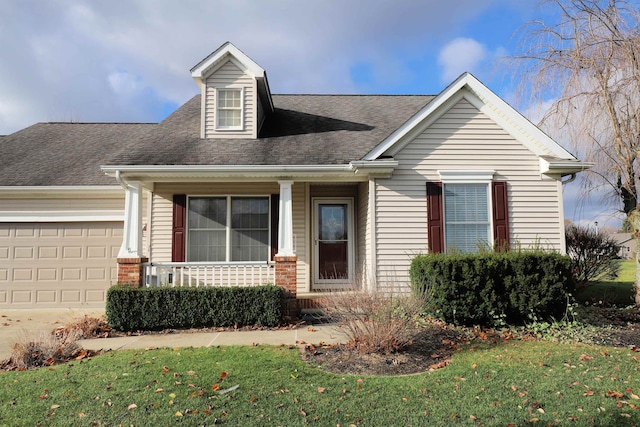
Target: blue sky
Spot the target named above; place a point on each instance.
(112, 60)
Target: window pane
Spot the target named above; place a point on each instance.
(229, 118)
(207, 245)
(332, 221)
(466, 214)
(249, 229)
(249, 245)
(207, 212)
(207, 231)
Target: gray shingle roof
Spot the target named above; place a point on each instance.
(63, 153)
(305, 130)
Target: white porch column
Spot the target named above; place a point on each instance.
(132, 232)
(285, 223)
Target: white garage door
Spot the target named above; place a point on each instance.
(57, 264)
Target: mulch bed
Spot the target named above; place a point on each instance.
(431, 349)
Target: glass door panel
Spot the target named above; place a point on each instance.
(333, 242)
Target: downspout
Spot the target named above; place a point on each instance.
(121, 180)
(571, 179)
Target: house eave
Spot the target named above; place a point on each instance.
(353, 171)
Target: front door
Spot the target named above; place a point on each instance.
(333, 242)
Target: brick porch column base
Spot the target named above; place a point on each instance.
(130, 271)
(286, 278)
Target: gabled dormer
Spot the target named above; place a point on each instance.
(235, 94)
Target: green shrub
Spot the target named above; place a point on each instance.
(493, 288)
(130, 309)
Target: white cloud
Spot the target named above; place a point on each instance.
(460, 55)
(123, 83)
(535, 112)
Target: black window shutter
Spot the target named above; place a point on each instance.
(500, 203)
(275, 218)
(435, 219)
(179, 228)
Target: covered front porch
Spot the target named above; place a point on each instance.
(306, 234)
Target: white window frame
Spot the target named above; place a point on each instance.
(484, 177)
(228, 228)
(218, 108)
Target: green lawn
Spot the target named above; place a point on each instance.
(617, 292)
(517, 382)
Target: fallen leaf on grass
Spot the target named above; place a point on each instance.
(132, 406)
(588, 393)
(321, 389)
(54, 406)
(614, 393)
(178, 414)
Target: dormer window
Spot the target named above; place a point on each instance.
(229, 109)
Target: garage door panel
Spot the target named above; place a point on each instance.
(47, 274)
(23, 252)
(23, 230)
(71, 296)
(54, 265)
(97, 252)
(48, 252)
(49, 231)
(71, 252)
(44, 297)
(22, 297)
(22, 274)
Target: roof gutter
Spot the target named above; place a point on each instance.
(563, 167)
(363, 170)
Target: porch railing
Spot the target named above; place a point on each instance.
(208, 274)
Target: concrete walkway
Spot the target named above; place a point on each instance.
(30, 324)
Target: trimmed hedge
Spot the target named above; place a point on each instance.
(493, 288)
(130, 309)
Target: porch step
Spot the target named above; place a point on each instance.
(315, 315)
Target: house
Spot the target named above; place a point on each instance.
(627, 245)
(240, 187)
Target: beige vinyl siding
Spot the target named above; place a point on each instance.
(363, 236)
(162, 210)
(463, 138)
(300, 244)
(66, 203)
(230, 76)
